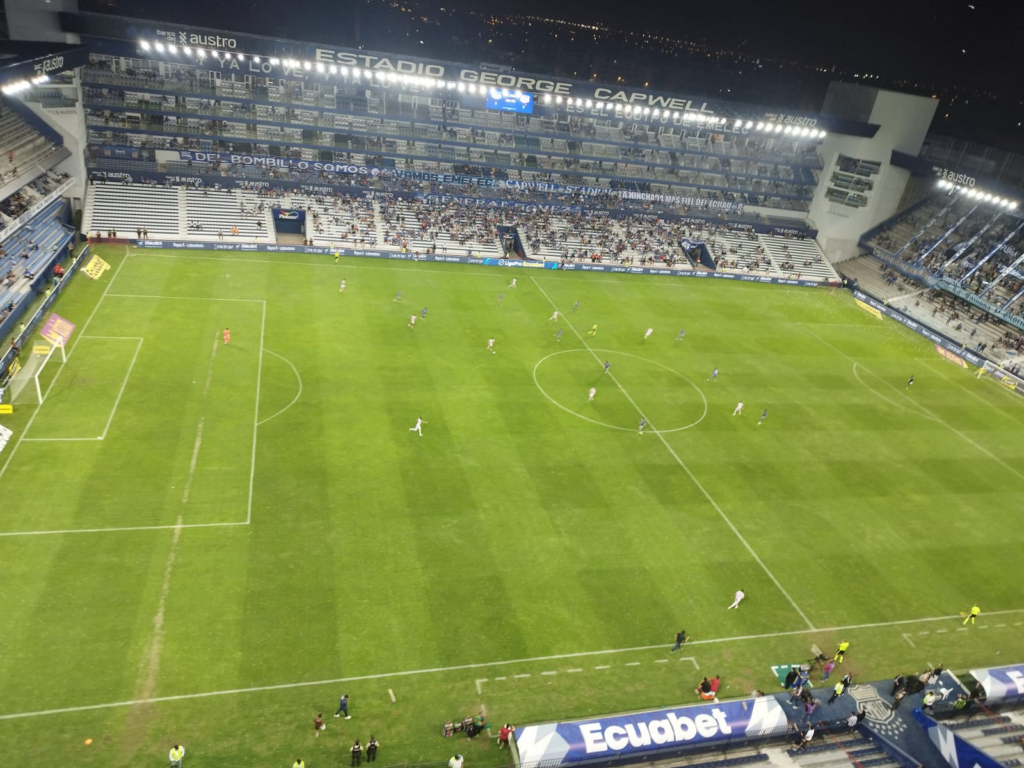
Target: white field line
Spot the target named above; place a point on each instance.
(60, 439)
(930, 414)
(199, 434)
(685, 468)
(485, 665)
(893, 403)
(121, 529)
(120, 393)
(151, 660)
(256, 413)
(70, 352)
(298, 394)
(181, 298)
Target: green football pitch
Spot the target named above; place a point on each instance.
(207, 543)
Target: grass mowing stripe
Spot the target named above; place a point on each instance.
(682, 464)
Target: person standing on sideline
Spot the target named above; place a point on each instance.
(177, 755)
(680, 639)
(737, 598)
(827, 670)
(791, 677)
(764, 415)
(318, 724)
(837, 691)
(898, 682)
(809, 706)
(559, 335)
(647, 335)
(357, 753)
(418, 429)
(910, 381)
(343, 702)
(371, 749)
(455, 762)
(227, 335)
(593, 391)
(804, 739)
(840, 657)
(714, 375)
(503, 734)
(974, 613)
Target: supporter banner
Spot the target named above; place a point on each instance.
(5, 409)
(634, 734)
(95, 268)
(868, 308)
(492, 262)
(952, 357)
(57, 329)
(955, 750)
(928, 333)
(5, 437)
(1002, 683)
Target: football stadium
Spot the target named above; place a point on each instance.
(476, 415)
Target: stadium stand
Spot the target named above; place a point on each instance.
(226, 214)
(839, 750)
(21, 146)
(120, 209)
(24, 255)
(998, 736)
(140, 107)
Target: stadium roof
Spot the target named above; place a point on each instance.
(28, 62)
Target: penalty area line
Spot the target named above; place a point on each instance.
(480, 665)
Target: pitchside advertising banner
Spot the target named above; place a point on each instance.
(955, 750)
(1002, 684)
(490, 262)
(642, 732)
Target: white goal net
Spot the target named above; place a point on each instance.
(25, 386)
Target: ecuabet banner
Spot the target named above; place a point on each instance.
(648, 731)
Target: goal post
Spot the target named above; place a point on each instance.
(1011, 381)
(25, 385)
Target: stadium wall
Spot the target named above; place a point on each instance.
(865, 163)
(69, 124)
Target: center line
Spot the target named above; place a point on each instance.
(680, 462)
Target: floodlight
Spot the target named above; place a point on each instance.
(159, 47)
(172, 48)
(144, 45)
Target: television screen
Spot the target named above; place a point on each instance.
(510, 101)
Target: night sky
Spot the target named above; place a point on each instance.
(956, 42)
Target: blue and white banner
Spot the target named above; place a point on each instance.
(641, 732)
(287, 215)
(958, 752)
(1002, 683)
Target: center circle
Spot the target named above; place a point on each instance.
(590, 352)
